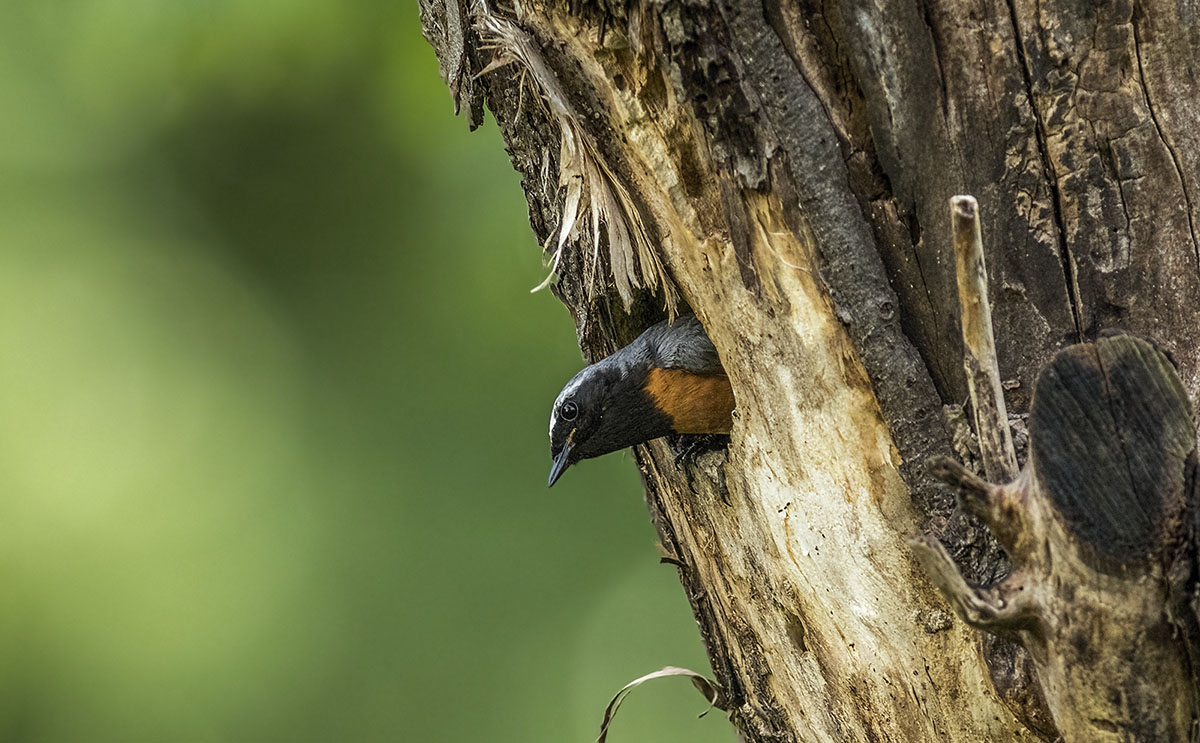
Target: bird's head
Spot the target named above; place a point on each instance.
(602, 409)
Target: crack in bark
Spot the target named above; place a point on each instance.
(1069, 273)
(1124, 202)
(1187, 199)
(944, 92)
(913, 223)
(937, 360)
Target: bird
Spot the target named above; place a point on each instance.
(669, 380)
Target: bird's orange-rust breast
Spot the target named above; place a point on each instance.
(697, 403)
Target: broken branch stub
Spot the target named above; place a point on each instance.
(979, 361)
(1095, 525)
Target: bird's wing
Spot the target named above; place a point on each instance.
(684, 345)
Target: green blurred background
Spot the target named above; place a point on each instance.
(273, 403)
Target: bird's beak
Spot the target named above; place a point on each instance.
(561, 462)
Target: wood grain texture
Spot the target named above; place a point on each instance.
(980, 364)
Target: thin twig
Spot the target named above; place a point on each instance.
(979, 360)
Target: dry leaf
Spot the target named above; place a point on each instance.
(708, 688)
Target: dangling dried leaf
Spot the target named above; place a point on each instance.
(570, 212)
(620, 253)
(708, 688)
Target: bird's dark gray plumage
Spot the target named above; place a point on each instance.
(637, 394)
(681, 345)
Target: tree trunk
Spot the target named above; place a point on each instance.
(784, 171)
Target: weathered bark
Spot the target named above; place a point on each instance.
(1098, 526)
(786, 169)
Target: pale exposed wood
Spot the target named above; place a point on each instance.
(980, 362)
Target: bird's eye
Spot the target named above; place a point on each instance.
(569, 411)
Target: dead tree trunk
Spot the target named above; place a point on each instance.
(784, 170)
